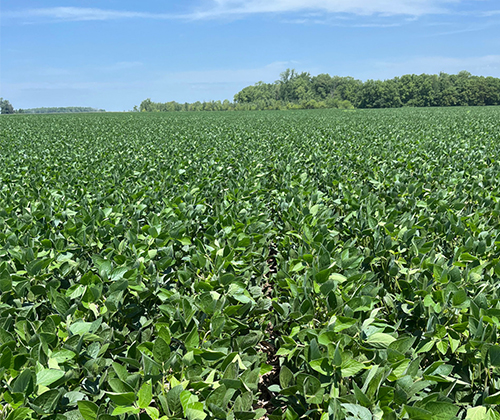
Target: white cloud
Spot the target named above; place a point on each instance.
(83, 14)
(340, 24)
(359, 7)
(213, 9)
(487, 13)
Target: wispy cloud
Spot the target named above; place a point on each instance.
(482, 13)
(491, 13)
(220, 8)
(75, 14)
(224, 9)
(461, 29)
(340, 24)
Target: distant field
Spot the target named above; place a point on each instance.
(309, 264)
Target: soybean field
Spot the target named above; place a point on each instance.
(323, 265)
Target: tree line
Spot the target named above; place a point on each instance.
(59, 110)
(7, 108)
(295, 90)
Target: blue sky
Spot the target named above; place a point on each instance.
(112, 54)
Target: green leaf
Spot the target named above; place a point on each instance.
(117, 273)
(187, 398)
(35, 267)
(351, 368)
(173, 399)
(227, 279)
(250, 379)
(442, 410)
(20, 413)
(358, 412)
(495, 356)
(118, 386)
(88, 410)
(338, 277)
(122, 398)
(23, 382)
(459, 298)
(62, 356)
(342, 323)
(72, 397)
(124, 410)
(80, 327)
(314, 351)
(322, 276)
(185, 241)
(361, 397)
(195, 412)
(425, 346)
(193, 409)
(297, 267)
(380, 340)
(337, 357)
(482, 413)
(47, 402)
(417, 413)
(442, 347)
(322, 366)
(145, 395)
(5, 282)
(493, 399)
(47, 377)
(153, 413)
(248, 340)
(286, 377)
(193, 339)
(161, 350)
(476, 413)
(212, 355)
(311, 385)
(492, 414)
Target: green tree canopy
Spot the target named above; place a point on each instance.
(6, 107)
(295, 90)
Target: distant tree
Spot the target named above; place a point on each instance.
(60, 110)
(146, 105)
(322, 86)
(345, 105)
(6, 107)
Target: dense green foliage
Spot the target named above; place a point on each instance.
(303, 91)
(409, 90)
(6, 107)
(59, 110)
(149, 106)
(320, 264)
